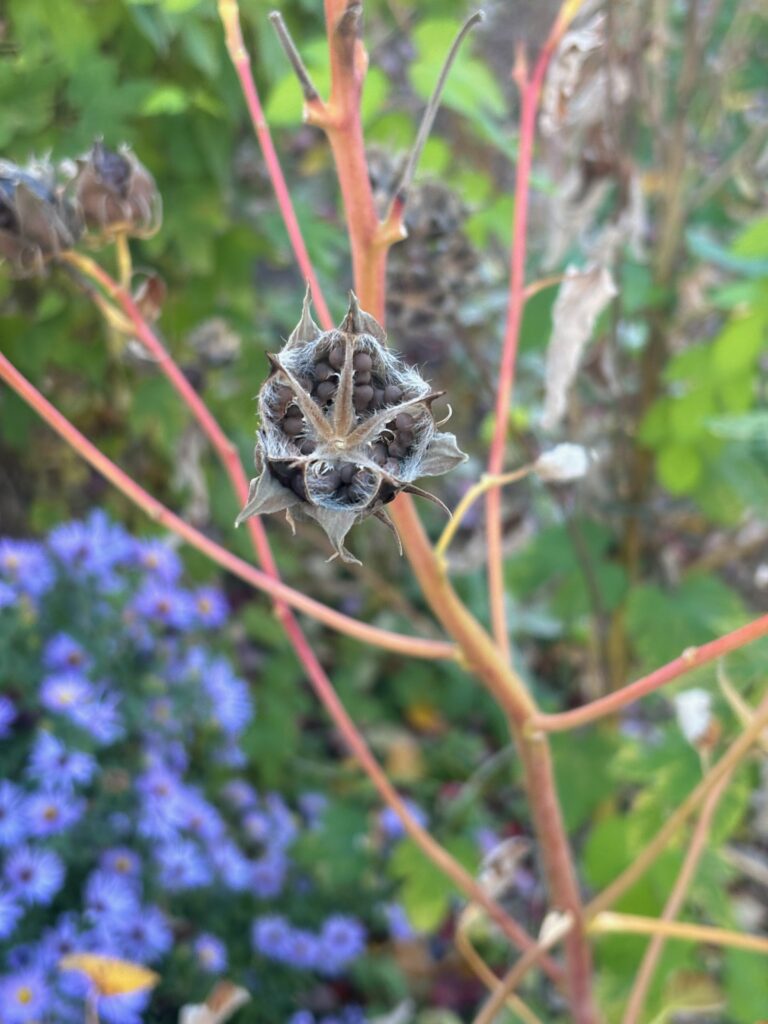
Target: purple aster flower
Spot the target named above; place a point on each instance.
(163, 804)
(123, 862)
(392, 827)
(8, 596)
(109, 897)
(256, 825)
(211, 954)
(201, 819)
(8, 715)
(342, 939)
(211, 607)
(240, 794)
(400, 927)
(100, 718)
(64, 653)
(231, 704)
(57, 768)
(182, 866)
(313, 806)
(93, 548)
(65, 692)
(24, 996)
(123, 1009)
(25, 564)
(10, 912)
(61, 940)
(14, 821)
(34, 875)
(268, 874)
(164, 605)
(269, 936)
(283, 825)
(144, 936)
(232, 866)
(159, 559)
(301, 1017)
(301, 949)
(51, 813)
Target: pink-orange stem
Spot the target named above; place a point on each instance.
(530, 92)
(693, 658)
(230, 18)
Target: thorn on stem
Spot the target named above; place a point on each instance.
(307, 85)
(400, 192)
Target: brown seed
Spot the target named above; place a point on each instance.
(330, 481)
(307, 446)
(378, 398)
(404, 421)
(392, 394)
(362, 396)
(283, 394)
(293, 411)
(362, 361)
(336, 357)
(347, 471)
(405, 437)
(326, 390)
(379, 453)
(397, 451)
(293, 426)
(363, 377)
(322, 371)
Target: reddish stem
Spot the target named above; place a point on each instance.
(229, 14)
(317, 676)
(530, 91)
(693, 658)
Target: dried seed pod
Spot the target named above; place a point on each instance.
(36, 221)
(343, 449)
(117, 193)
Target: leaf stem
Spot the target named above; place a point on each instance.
(229, 13)
(475, 491)
(633, 924)
(690, 659)
(672, 907)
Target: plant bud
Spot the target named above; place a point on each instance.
(117, 193)
(36, 221)
(336, 449)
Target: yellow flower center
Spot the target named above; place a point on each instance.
(24, 995)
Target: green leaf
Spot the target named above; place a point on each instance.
(739, 344)
(166, 99)
(679, 468)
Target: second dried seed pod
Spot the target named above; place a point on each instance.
(345, 426)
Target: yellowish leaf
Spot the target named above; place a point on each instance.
(110, 977)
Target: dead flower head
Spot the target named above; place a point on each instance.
(36, 222)
(117, 193)
(345, 426)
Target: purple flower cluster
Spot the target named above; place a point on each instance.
(345, 1015)
(340, 941)
(109, 829)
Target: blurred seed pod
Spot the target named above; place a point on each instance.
(345, 426)
(116, 193)
(37, 222)
(433, 272)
